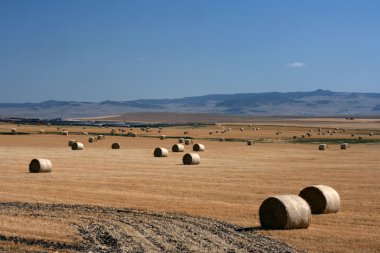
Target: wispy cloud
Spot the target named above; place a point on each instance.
(296, 65)
(143, 59)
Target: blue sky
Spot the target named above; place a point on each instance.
(92, 50)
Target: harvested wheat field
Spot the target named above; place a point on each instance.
(105, 200)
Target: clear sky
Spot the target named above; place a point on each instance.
(95, 50)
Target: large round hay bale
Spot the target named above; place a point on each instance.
(13, 131)
(344, 146)
(115, 145)
(191, 159)
(65, 132)
(321, 198)
(101, 137)
(285, 212)
(71, 142)
(40, 165)
(160, 152)
(85, 133)
(370, 134)
(42, 131)
(181, 140)
(250, 142)
(222, 139)
(188, 141)
(178, 148)
(77, 146)
(199, 147)
(163, 137)
(322, 146)
(92, 139)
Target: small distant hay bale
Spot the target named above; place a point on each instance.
(285, 212)
(321, 198)
(77, 146)
(65, 132)
(242, 129)
(191, 159)
(132, 134)
(188, 141)
(160, 152)
(199, 147)
(115, 145)
(40, 165)
(344, 146)
(101, 137)
(84, 133)
(222, 139)
(19, 125)
(181, 140)
(308, 134)
(335, 131)
(360, 138)
(322, 146)
(42, 131)
(250, 142)
(113, 131)
(13, 131)
(71, 142)
(370, 134)
(92, 139)
(186, 132)
(294, 136)
(163, 137)
(178, 148)
(210, 133)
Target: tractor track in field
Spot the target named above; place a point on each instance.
(104, 230)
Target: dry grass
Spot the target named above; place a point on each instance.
(230, 183)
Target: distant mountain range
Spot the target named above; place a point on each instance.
(315, 103)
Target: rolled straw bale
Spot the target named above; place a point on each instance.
(322, 146)
(101, 137)
(84, 133)
(191, 159)
(242, 129)
(210, 133)
(91, 139)
(178, 148)
(285, 212)
(160, 152)
(222, 139)
(163, 137)
(71, 142)
(294, 136)
(65, 132)
(181, 140)
(249, 142)
(321, 198)
(77, 146)
(370, 134)
(13, 131)
(188, 141)
(344, 146)
(42, 131)
(199, 147)
(115, 145)
(40, 165)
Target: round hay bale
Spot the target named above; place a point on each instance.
(191, 159)
(77, 146)
(322, 146)
(210, 133)
(163, 137)
(199, 147)
(71, 142)
(40, 165)
(188, 141)
(294, 136)
(370, 134)
(113, 131)
(178, 148)
(65, 132)
(181, 140)
(42, 131)
(13, 131)
(92, 139)
(344, 146)
(285, 212)
(222, 139)
(101, 137)
(84, 133)
(160, 152)
(115, 145)
(250, 142)
(242, 129)
(321, 198)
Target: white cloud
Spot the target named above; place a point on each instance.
(296, 65)
(143, 59)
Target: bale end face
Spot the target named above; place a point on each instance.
(115, 145)
(191, 159)
(40, 165)
(160, 152)
(322, 199)
(285, 212)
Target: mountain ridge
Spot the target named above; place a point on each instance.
(311, 103)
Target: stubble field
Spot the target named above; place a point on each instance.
(229, 185)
